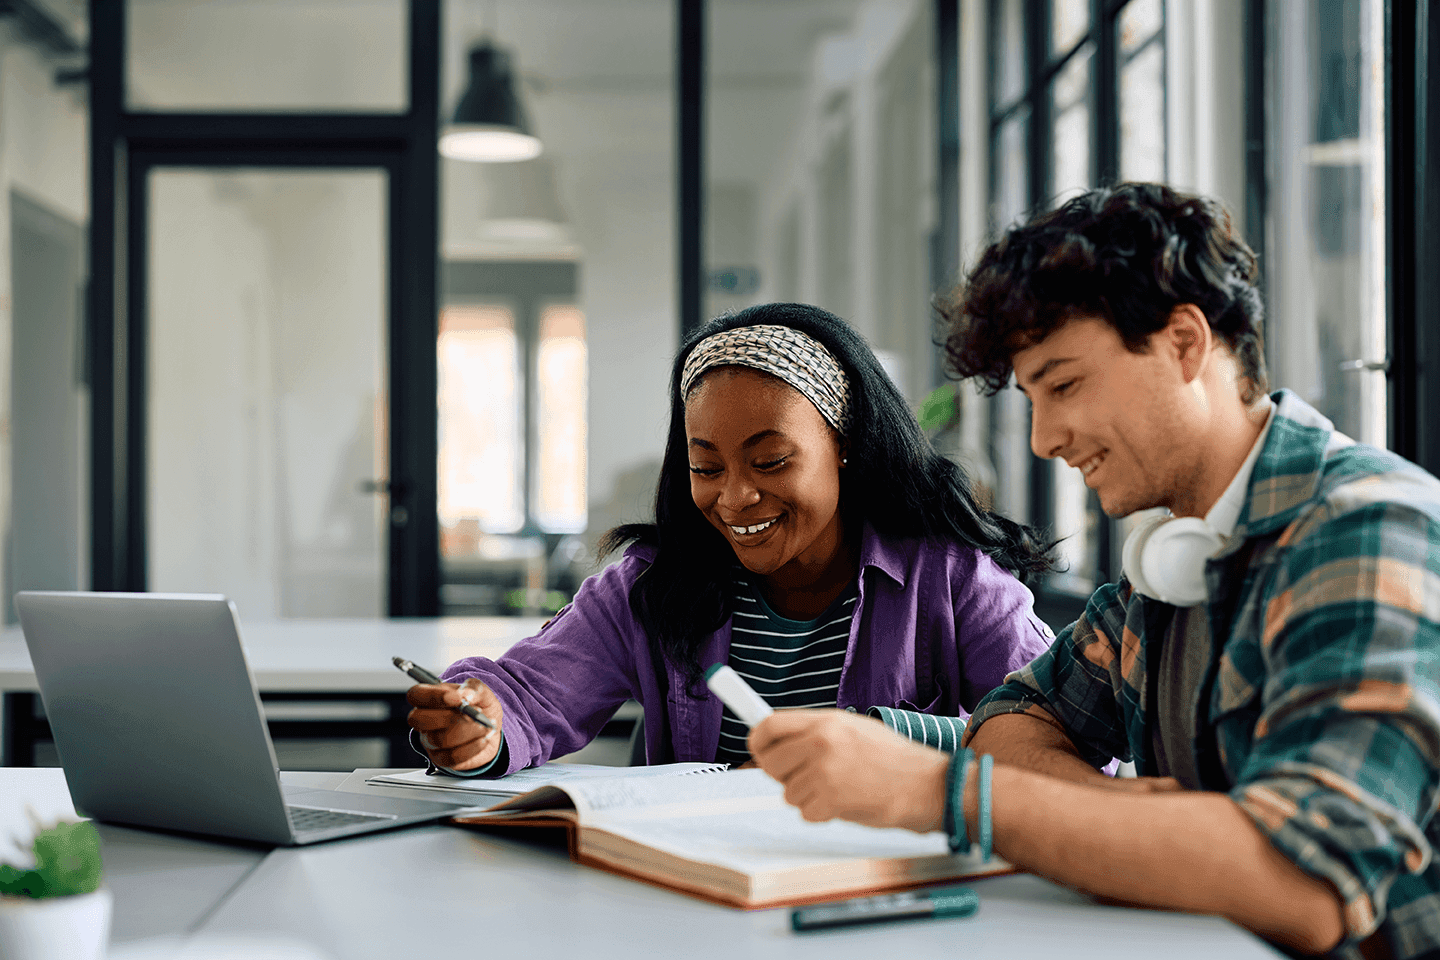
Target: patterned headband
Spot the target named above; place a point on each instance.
(797, 358)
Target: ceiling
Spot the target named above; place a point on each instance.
(629, 44)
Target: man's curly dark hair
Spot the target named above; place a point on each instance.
(1129, 254)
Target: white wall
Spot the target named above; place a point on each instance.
(43, 153)
(840, 113)
(632, 331)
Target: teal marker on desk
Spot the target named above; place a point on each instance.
(912, 905)
(736, 694)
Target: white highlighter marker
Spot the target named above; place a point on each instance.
(736, 694)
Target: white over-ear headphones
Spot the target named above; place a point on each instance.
(1164, 558)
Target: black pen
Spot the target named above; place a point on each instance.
(912, 905)
(421, 675)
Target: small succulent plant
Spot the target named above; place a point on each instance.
(67, 861)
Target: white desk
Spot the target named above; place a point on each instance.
(322, 659)
(446, 890)
(162, 884)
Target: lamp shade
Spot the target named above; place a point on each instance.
(489, 123)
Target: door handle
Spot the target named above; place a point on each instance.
(1355, 366)
(399, 514)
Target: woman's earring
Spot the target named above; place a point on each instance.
(843, 461)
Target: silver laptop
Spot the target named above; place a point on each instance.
(157, 721)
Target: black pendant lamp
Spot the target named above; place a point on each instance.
(489, 125)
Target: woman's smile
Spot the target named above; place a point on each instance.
(752, 533)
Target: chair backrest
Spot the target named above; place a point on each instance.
(637, 743)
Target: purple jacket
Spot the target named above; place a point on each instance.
(935, 628)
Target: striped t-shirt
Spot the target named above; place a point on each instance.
(790, 663)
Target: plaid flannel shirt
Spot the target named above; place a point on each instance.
(1320, 710)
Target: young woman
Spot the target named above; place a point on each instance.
(805, 532)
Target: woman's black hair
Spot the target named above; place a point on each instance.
(894, 479)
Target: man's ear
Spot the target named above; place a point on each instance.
(1188, 338)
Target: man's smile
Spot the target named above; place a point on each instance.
(1090, 463)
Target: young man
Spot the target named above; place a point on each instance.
(1273, 670)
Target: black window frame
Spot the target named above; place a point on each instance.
(125, 145)
(1412, 226)
(1056, 602)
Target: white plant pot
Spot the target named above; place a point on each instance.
(55, 928)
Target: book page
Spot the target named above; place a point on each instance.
(734, 790)
(523, 781)
(764, 840)
(699, 796)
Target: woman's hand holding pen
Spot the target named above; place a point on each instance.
(450, 738)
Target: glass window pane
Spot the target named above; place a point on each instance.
(1139, 21)
(1011, 63)
(1142, 115)
(1069, 22)
(1011, 198)
(481, 442)
(820, 157)
(598, 85)
(1072, 165)
(560, 373)
(1010, 411)
(1328, 210)
(1012, 454)
(267, 55)
(1075, 521)
(267, 419)
(1070, 99)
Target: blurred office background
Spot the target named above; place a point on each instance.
(258, 337)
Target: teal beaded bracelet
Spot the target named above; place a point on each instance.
(987, 835)
(954, 819)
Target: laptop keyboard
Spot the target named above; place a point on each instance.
(316, 819)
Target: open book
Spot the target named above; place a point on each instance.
(730, 837)
(524, 781)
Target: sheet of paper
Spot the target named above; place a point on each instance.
(551, 774)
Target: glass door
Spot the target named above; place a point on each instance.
(267, 415)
